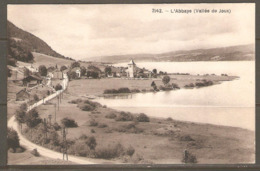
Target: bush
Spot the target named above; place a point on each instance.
(69, 123)
(189, 157)
(85, 107)
(130, 151)
(91, 142)
(35, 97)
(109, 152)
(175, 86)
(111, 116)
(135, 91)
(186, 138)
(80, 148)
(93, 122)
(110, 91)
(19, 150)
(191, 85)
(56, 126)
(142, 118)
(124, 90)
(58, 87)
(35, 152)
(169, 119)
(76, 101)
(102, 125)
(129, 128)
(123, 116)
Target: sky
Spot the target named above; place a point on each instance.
(85, 31)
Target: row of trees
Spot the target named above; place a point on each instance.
(31, 118)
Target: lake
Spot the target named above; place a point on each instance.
(230, 103)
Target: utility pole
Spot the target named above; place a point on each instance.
(55, 112)
(64, 151)
(50, 116)
(45, 129)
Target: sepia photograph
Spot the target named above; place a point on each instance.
(94, 84)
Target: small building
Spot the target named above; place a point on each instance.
(32, 80)
(57, 75)
(23, 95)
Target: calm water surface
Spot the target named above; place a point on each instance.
(230, 103)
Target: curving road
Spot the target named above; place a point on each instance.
(42, 150)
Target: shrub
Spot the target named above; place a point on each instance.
(175, 86)
(189, 157)
(35, 152)
(135, 91)
(142, 118)
(69, 123)
(130, 151)
(111, 116)
(169, 119)
(166, 79)
(91, 142)
(12, 139)
(80, 148)
(83, 137)
(186, 138)
(124, 90)
(56, 126)
(123, 116)
(93, 122)
(191, 85)
(92, 131)
(35, 97)
(58, 87)
(85, 107)
(129, 128)
(102, 125)
(110, 151)
(76, 101)
(110, 91)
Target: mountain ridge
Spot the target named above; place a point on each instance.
(229, 53)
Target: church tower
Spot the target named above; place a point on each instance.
(131, 69)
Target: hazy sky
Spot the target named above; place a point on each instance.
(82, 31)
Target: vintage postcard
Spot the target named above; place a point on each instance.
(131, 84)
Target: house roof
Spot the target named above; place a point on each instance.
(23, 90)
(33, 77)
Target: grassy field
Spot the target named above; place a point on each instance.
(160, 141)
(26, 158)
(97, 86)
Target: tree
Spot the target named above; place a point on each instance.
(26, 72)
(72, 75)
(12, 139)
(69, 123)
(58, 87)
(91, 142)
(92, 74)
(75, 64)
(62, 68)
(20, 114)
(32, 118)
(166, 79)
(108, 70)
(155, 71)
(35, 97)
(83, 70)
(42, 70)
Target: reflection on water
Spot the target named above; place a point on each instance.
(230, 103)
(117, 96)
